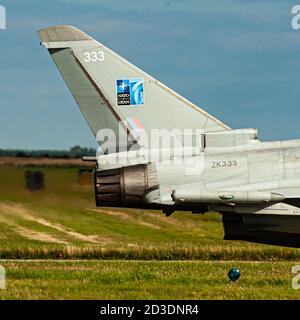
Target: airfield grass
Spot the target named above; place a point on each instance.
(61, 222)
(55, 244)
(146, 280)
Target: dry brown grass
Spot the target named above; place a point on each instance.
(9, 212)
(40, 162)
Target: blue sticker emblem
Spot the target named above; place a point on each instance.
(130, 92)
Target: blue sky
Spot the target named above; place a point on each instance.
(237, 59)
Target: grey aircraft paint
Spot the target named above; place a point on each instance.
(254, 185)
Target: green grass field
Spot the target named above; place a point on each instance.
(146, 280)
(61, 222)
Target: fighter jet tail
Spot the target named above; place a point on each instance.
(109, 90)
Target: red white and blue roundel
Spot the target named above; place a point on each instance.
(130, 92)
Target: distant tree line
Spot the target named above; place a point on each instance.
(74, 152)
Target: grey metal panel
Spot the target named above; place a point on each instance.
(259, 170)
(266, 166)
(292, 163)
(163, 107)
(230, 138)
(62, 33)
(91, 104)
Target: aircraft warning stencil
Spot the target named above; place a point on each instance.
(130, 92)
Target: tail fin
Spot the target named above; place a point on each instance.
(109, 89)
